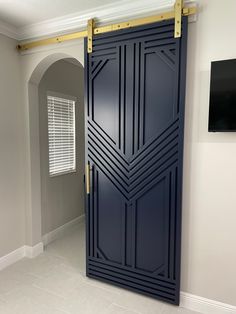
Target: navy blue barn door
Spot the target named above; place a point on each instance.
(135, 87)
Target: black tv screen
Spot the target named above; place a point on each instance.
(222, 113)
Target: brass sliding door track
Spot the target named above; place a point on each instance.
(177, 13)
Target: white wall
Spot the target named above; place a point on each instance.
(209, 207)
(62, 197)
(209, 204)
(12, 179)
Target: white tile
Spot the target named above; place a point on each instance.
(140, 303)
(116, 309)
(4, 309)
(88, 300)
(39, 266)
(103, 285)
(171, 309)
(71, 247)
(13, 280)
(55, 283)
(29, 294)
(60, 282)
(28, 306)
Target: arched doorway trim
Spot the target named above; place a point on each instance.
(33, 222)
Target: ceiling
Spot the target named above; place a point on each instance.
(20, 13)
(32, 19)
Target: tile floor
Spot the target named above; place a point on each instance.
(55, 283)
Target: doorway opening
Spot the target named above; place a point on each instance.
(57, 199)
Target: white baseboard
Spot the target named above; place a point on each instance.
(58, 232)
(12, 258)
(205, 306)
(18, 254)
(33, 251)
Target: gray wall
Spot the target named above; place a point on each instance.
(61, 196)
(12, 149)
(209, 198)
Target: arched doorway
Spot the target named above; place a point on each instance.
(34, 230)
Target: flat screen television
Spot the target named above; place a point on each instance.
(222, 112)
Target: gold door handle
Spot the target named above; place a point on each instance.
(88, 179)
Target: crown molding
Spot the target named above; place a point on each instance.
(104, 14)
(8, 30)
(118, 11)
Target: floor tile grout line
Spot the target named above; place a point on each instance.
(125, 308)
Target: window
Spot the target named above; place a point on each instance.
(61, 135)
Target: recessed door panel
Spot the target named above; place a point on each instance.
(105, 94)
(151, 211)
(159, 94)
(108, 206)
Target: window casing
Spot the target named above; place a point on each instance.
(61, 134)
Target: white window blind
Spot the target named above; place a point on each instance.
(61, 135)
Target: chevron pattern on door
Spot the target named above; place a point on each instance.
(135, 83)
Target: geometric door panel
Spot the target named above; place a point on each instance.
(151, 209)
(105, 83)
(134, 96)
(109, 220)
(159, 94)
